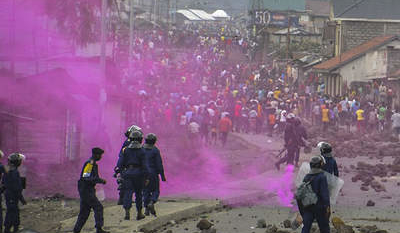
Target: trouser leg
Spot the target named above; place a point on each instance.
(308, 218)
(323, 222)
(138, 187)
(290, 155)
(84, 212)
(297, 156)
(98, 212)
(128, 192)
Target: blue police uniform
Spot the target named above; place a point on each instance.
(86, 186)
(318, 211)
(125, 144)
(330, 165)
(13, 194)
(155, 166)
(133, 164)
(120, 183)
(2, 172)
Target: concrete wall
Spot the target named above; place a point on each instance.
(372, 65)
(355, 33)
(393, 60)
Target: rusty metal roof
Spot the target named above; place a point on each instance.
(354, 53)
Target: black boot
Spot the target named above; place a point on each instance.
(100, 230)
(140, 215)
(127, 214)
(151, 208)
(277, 165)
(147, 211)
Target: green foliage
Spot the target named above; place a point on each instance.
(78, 19)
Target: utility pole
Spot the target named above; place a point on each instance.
(131, 22)
(288, 38)
(12, 38)
(288, 48)
(103, 41)
(168, 11)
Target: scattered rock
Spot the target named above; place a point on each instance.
(337, 223)
(370, 203)
(345, 229)
(287, 223)
(271, 229)
(261, 223)
(283, 231)
(172, 222)
(204, 224)
(27, 231)
(169, 231)
(211, 230)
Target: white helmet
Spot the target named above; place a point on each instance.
(291, 116)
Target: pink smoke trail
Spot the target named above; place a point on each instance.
(282, 186)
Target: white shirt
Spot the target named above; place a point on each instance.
(396, 120)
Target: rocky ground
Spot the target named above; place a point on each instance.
(44, 214)
(368, 163)
(278, 220)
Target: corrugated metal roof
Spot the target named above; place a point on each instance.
(299, 5)
(319, 8)
(367, 9)
(354, 53)
(202, 14)
(189, 15)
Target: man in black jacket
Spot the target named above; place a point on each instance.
(87, 192)
(13, 192)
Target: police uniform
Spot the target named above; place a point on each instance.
(119, 181)
(2, 172)
(155, 166)
(86, 186)
(330, 165)
(318, 211)
(134, 171)
(13, 194)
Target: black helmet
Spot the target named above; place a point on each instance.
(316, 162)
(151, 139)
(136, 136)
(325, 148)
(15, 159)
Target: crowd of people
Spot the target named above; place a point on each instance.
(195, 88)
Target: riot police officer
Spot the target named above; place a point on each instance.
(132, 164)
(321, 210)
(2, 172)
(330, 164)
(86, 186)
(291, 141)
(13, 192)
(119, 178)
(154, 163)
(301, 133)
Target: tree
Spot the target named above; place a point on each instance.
(79, 19)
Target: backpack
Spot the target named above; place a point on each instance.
(305, 195)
